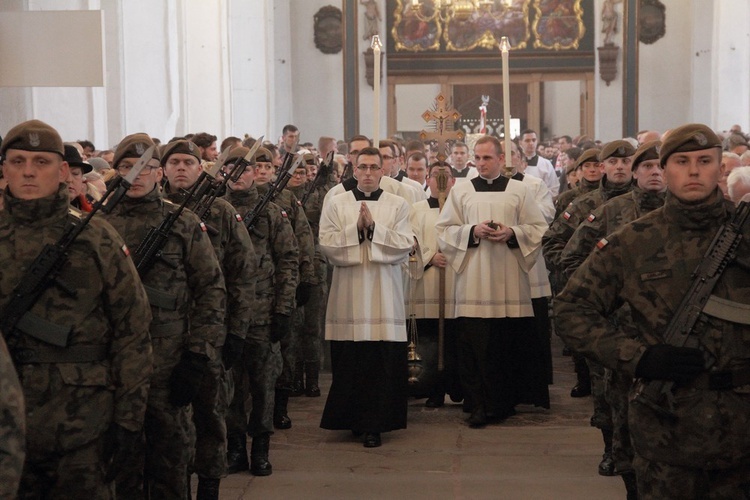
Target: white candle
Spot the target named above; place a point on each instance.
(376, 45)
(504, 48)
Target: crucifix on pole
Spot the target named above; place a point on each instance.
(443, 118)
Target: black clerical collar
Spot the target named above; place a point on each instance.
(349, 184)
(517, 176)
(499, 183)
(399, 176)
(433, 202)
(460, 173)
(362, 196)
(532, 161)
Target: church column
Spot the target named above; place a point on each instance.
(608, 98)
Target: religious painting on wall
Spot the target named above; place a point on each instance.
(466, 25)
(558, 24)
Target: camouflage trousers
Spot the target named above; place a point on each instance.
(288, 346)
(602, 417)
(209, 411)
(617, 387)
(169, 445)
(310, 325)
(76, 474)
(657, 480)
(255, 374)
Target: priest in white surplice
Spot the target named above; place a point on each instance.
(491, 231)
(366, 235)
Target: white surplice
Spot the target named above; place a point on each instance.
(539, 276)
(492, 279)
(426, 283)
(366, 300)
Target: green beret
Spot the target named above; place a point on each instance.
(616, 149)
(180, 147)
(263, 155)
(33, 135)
(588, 156)
(690, 137)
(310, 159)
(237, 153)
(647, 151)
(73, 157)
(133, 146)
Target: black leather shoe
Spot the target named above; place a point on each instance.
(372, 440)
(237, 454)
(435, 401)
(581, 390)
(312, 391)
(477, 419)
(259, 464)
(607, 465)
(282, 421)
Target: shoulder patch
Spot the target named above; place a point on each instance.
(566, 215)
(591, 218)
(124, 248)
(602, 243)
(283, 213)
(202, 225)
(238, 217)
(656, 275)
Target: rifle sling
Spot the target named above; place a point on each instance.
(71, 354)
(727, 310)
(160, 299)
(167, 329)
(41, 329)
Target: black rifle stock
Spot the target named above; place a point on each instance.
(323, 171)
(658, 394)
(285, 173)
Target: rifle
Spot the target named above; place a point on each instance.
(206, 179)
(45, 270)
(251, 218)
(150, 248)
(657, 394)
(323, 171)
(202, 207)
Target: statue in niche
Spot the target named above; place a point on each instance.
(372, 19)
(609, 20)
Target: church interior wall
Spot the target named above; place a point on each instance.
(411, 101)
(562, 108)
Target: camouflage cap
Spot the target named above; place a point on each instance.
(33, 135)
(133, 146)
(646, 151)
(180, 147)
(73, 157)
(588, 156)
(616, 149)
(690, 137)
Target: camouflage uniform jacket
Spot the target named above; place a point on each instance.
(274, 240)
(567, 197)
(563, 227)
(238, 259)
(648, 265)
(605, 220)
(73, 394)
(12, 426)
(302, 232)
(186, 289)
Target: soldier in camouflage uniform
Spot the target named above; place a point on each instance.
(705, 451)
(307, 277)
(275, 288)
(239, 262)
(188, 299)
(590, 174)
(647, 195)
(85, 402)
(616, 160)
(12, 426)
(307, 366)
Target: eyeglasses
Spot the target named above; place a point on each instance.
(364, 168)
(299, 173)
(125, 169)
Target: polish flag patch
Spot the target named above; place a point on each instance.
(602, 243)
(203, 227)
(566, 215)
(238, 217)
(283, 214)
(125, 250)
(591, 217)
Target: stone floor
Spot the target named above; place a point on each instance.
(537, 454)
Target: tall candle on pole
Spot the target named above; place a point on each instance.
(376, 46)
(504, 48)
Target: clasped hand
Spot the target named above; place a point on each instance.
(365, 219)
(485, 230)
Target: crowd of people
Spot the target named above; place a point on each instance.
(161, 302)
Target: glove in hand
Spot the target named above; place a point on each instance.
(304, 290)
(186, 378)
(281, 325)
